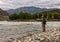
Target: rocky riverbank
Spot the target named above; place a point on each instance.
(52, 35)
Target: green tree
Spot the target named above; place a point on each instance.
(49, 16)
(55, 16)
(40, 15)
(13, 16)
(45, 15)
(58, 16)
(24, 15)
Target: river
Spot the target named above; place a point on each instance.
(12, 29)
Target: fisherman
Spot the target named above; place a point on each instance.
(43, 24)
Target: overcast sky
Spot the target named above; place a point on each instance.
(11, 4)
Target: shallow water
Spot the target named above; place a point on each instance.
(11, 29)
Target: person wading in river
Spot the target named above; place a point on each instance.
(43, 24)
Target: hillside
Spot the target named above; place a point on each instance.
(50, 15)
(56, 11)
(27, 9)
(3, 15)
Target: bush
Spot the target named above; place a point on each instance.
(14, 16)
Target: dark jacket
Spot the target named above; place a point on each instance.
(44, 21)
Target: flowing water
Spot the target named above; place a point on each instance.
(12, 29)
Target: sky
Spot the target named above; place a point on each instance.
(12, 4)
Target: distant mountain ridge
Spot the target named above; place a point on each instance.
(27, 9)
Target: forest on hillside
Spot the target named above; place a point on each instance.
(50, 15)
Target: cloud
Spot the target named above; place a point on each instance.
(11, 4)
(48, 3)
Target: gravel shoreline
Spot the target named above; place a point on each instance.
(52, 35)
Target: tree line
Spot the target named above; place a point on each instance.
(26, 15)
